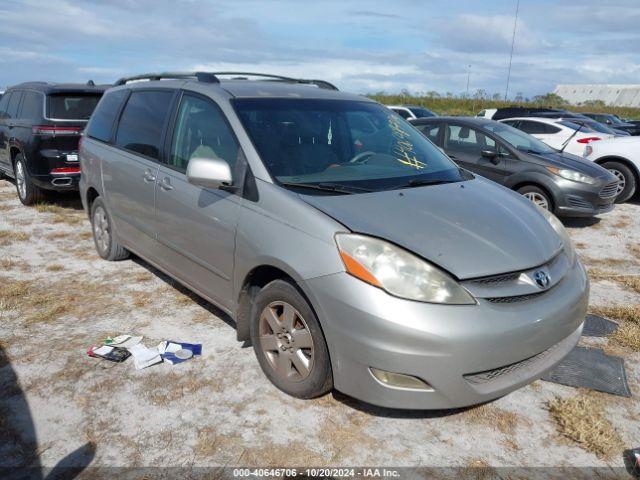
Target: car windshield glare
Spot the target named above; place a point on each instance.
(349, 143)
(518, 139)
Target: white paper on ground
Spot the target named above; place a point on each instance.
(125, 341)
(144, 357)
(102, 350)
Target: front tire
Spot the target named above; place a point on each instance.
(627, 185)
(289, 343)
(537, 196)
(28, 193)
(104, 238)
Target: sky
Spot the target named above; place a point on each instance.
(361, 46)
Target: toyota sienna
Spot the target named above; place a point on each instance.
(348, 248)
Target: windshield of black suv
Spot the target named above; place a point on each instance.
(353, 145)
(518, 139)
(72, 106)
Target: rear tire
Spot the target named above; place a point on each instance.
(626, 178)
(28, 193)
(104, 237)
(537, 196)
(289, 343)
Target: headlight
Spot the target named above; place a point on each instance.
(562, 233)
(398, 272)
(572, 175)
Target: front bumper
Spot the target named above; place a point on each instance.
(580, 200)
(468, 354)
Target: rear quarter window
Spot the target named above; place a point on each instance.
(102, 121)
(73, 106)
(32, 104)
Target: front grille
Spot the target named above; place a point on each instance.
(578, 203)
(609, 190)
(507, 277)
(514, 299)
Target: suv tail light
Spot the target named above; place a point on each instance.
(55, 130)
(588, 139)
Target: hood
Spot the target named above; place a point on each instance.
(471, 229)
(573, 162)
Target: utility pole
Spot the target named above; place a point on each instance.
(513, 41)
(468, 77)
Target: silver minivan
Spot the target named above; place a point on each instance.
(348, 249)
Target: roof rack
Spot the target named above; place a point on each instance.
(200, 76)
(212, 77)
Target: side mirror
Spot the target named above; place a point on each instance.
(489, 153)
(609, 122)
(209, 173)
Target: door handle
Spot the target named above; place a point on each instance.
(165, 184)
(147, 176)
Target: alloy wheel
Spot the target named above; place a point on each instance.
(622, 182)
(285, 340)
(538, 199)
(21, 180)
(101, 230)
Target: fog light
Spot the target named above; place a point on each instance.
(399, 380)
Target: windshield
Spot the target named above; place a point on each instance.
(597, 126)
(362, 145)
(422, 112)
(518, 139)
(73, 106)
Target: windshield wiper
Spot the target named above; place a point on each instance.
(418, 182)
(326, 187)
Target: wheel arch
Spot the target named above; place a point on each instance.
(540, 185)
(625, 161)
(256, 279)
(91, 196)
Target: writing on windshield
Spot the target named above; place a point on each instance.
(403, 149)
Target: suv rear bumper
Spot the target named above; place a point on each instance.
(60, 182)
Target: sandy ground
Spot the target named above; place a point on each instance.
(219, 409)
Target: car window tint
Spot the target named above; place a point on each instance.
(101, 124)
(32, 103)
(4, 102)
(201, 131)
(532, 128)
(14, 103)
(430, 131)
(551, 129)
(142, 121)
(73, 106)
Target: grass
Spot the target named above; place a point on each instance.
(628, 316)
(493, 417)
(631, 282)
(582, 420)
(55, 267)
(7, 237)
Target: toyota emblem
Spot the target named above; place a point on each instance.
(541, 278)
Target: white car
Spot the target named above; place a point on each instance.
(621, 156)
(555, 132)
(409, 112)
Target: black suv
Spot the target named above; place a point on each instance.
(565, 184)
(40, 127)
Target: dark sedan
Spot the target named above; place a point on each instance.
(614, 121)
(563, 183)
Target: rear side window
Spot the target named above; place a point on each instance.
(532, 128)
(142, 121)
(73, 106)
(101, 125)
(32, 103)
(12, 107)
